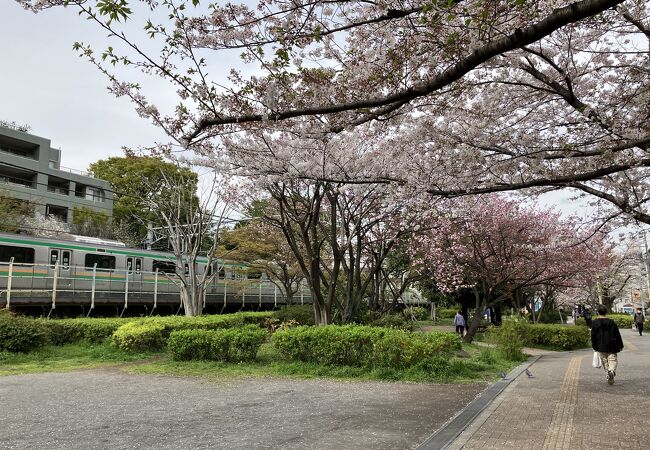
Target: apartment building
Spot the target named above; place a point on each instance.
(30, 169)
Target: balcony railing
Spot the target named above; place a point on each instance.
(76, 171)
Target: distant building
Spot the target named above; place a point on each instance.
(30, 169)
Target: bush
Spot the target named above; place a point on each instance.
(303, 314)
(236, 344)
(139, 336)
(418, 313)
(397, 321)
(152, 333)
(446, 313)
(549, 317)
(621, 320)
(65, 331)
(357, 345)
(559, 337)
(21, 334)
(509, 339)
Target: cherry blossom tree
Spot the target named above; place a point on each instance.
(500, 249)
(451, 98)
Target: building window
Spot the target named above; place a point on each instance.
(59, 212)
(96, 195)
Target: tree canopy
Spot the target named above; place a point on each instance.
(451, 98)
(135, 180)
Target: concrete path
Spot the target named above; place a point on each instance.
(108, 409)
(569, 405)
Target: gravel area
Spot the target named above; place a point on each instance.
(97, 409)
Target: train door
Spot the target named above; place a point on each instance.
(64, 258)
(134, 270)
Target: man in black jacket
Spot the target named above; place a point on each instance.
(639, 318)
(606, 340)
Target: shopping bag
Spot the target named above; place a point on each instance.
(595, 362)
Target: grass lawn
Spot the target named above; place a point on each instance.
(67, 357)
(482, 364)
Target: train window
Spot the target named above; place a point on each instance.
(129, 265)
(21, 255)
(104, 262)
(138, 265)
(222, 273)
(65, 259)
(254, 274)
(164, 266)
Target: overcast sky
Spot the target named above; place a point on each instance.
(44, 84)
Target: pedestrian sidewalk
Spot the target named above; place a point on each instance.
(567, 404)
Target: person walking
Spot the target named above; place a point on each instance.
(607, 341)
(587, 315)
(460, 323)
(639, 319)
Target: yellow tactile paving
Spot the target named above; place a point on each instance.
(558, 435)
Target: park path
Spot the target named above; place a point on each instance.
(109, 409)
(567, 404)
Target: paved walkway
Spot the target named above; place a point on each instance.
(108, 409)
(567, 404)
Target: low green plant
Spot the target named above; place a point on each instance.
(139, 336)
(358, 345)
(21, 334)
(302, 314)
(398, 321)
(508, 339)
(560, 337)
(235, 344)
(556, 337)
(65, 331)
(418, 313)
(446, 313)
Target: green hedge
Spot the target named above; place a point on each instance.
(303, 314)
(152, 333)
(358, 345)
(65, 331)
(621, 320)
(562, 337)
(397, 321)
(234, 344)
(446, 313)
(138, 336)
(20, 334)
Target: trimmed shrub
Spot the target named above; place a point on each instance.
(560, 337)
(303, 314)
(446, 313)
(235, 344)
(397, 321)
(65, 331)
(21, 334)
(152, 333)
(139, 336)
(357, 345)
(622, 321)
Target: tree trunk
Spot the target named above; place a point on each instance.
(476, 322)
